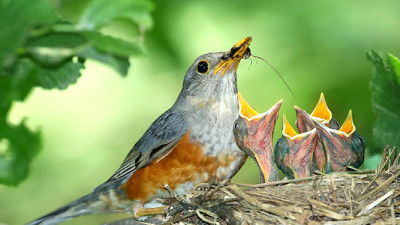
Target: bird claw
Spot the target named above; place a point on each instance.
(148, 211)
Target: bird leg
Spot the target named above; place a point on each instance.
(148, 211)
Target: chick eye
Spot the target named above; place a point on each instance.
(203, 66)
(239, 126)
(278, 143)
(236, 125)
(361, 140)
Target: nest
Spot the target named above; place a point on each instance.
(357, 197)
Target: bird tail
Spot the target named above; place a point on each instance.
(76, 208)
(107, 198)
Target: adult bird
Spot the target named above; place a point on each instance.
(254, 135)
(190, 143)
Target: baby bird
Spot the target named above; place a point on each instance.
(294, 152)
(254, 135)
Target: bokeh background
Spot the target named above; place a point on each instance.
(89, 128)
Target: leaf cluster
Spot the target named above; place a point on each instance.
(385, 89)
(40, 49)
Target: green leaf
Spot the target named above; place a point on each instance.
(58, 39)
(395, 62)
(113, 45)
(119, 64)
(17, 18)
(385, 90)
(101, 12)
(18, 147)
(53, 49)
(15, 86)
(60, 77)
(37, 49)
(50, 56)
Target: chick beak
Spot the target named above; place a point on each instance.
(321, 112)
(348, 127)
(302, 148)
(261, 130)
(303, 121)
(303, 153)
(337, 145)
(330, 137)
(231, 59)
(263, 127)
(245, 109)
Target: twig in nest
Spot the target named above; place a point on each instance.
(318, 203)
(212, 192)
(180, 218)
(276, 183)
(352, 168)
(383, 158)
(334, 189)
(380, 170)
(265, 207)
(200, 213)
(384, 184)
(375, 203)
(393, 215)
(348, 196)
(335, 199)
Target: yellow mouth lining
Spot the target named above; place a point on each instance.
(289, 132)
(322, 111)
(245, 109)
(287, 128)
(348, 126)
(236, 57)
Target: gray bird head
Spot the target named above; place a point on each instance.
(213, 75)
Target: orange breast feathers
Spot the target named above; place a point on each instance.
(186, 162)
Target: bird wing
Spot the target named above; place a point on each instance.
(162, 136)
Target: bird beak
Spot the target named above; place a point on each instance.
(328, 135)
(348, 127)
(336, 141)
(338, 144)
(321, 113)
(232, 58)
(261, 130)
(246, 111)
(302, 148)
(303, 122)
(250, 114)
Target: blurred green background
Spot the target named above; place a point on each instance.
(89, 128)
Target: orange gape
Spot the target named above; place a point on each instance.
(185, 163)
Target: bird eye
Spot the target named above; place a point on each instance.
(236, 125)
(203, 66)
(278, 143)
(361, 140)
(240, 127)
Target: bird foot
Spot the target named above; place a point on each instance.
(149, 211)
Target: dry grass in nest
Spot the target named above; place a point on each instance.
(359, 197)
